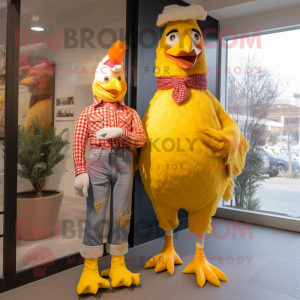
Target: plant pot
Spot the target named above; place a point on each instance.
(37, 218)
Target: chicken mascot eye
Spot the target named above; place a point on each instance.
(106, 78)
(119, 78)
(172, 39)
(195, 37)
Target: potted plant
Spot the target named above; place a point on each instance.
(38, 153)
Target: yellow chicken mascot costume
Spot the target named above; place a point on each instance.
(193, 148)
(106, 178)
(40, 86)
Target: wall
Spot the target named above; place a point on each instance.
(266, 21)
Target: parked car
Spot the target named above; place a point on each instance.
(266, 164)
(296, 150)
(284, 154)
(295, 155)
(276, 164)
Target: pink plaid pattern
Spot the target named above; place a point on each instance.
(100, 115)
(181, 92)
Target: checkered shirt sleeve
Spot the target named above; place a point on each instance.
(136, 137)
(81, 136)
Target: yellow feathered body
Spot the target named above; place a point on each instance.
(43, 110)
(194, 148)
(179, 170)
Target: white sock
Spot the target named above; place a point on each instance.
(169, 232)
(200, 240)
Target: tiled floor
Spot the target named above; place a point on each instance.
(265, 267)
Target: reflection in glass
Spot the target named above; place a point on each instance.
(57, 67)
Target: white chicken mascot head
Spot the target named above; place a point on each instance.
(109, 83)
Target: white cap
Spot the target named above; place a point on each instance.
(181, 13)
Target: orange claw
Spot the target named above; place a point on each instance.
(204, 270)
(166, 259)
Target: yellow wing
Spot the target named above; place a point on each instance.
(228, 143)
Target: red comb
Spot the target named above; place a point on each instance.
(116, 52)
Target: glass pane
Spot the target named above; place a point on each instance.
(3, 19)
(62, 43)
(264, 99)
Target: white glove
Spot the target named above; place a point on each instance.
(82, 183)
(108, 133)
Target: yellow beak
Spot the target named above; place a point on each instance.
(114, 88)
(185, 44)
(29, 82)
(184, 53)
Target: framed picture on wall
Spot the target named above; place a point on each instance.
(64, 114)
(64, 108)
(64, 101)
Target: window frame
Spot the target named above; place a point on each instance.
(11, 278)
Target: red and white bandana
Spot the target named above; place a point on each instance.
(181, 92)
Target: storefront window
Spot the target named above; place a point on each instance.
(264, 99)
(61, 44)
(3, 19)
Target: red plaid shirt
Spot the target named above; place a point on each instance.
(100, 115)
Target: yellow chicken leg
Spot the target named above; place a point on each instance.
(166, 259)
(119, 274)
(204, 270)
(90, 280)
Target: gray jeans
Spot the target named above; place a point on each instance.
(108, 202)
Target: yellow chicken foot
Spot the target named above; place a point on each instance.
(204, 270)
(166, 259)
(119, 274)
(90, 280)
